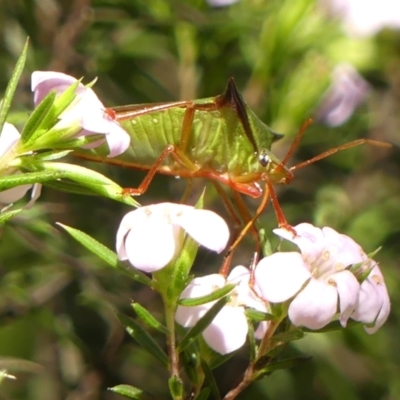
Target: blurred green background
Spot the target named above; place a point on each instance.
(58, 330)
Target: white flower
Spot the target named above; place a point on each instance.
(8, 139)
(319, 280)
(228, 330)
(373, 305)
(367, 17)
(221, 3)
(86, 110)
(347, 91)
(151, 236)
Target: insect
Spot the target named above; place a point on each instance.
(218, 138)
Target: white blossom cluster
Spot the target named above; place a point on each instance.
(329, 278)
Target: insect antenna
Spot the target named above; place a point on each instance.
(295, 143)
(334, 150)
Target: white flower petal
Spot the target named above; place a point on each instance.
(343, 249)
(8, 138)
(42, 82)
(129, 221)
(56, 78)
(261, 330)
(118, 139)
(206, 227)
(150, 246)
(348, 290)
(228, 330)
(367, 17)
(239, 274)
(315, 306)
(12, 195)
(281, 275)
(35, 194)
(309, 239)
(95, 117)
(373, 302)
(86, 110)
(198, 287)
(348, 90)
(383, 313)
(244, 294)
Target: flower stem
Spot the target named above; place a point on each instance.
(251, 373)
(171, 341)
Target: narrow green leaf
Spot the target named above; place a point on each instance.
(71, 187)
(52, 155)
(128, 391)
(105, 254)
(252, 340)
(148, 318)
(189, 360)
(6, 215)
(204, 394)
(212, 384)
(266, 244)
(178, 278)
(219, 359)
(215, 295)
(258, 316)
(281, 364)
(202, 324)
(12, 85)
(32, 127)
(200, 201)
(93, 180)
(61, 102)
(175, 385)
(286, 337)
(28, 178)
(143, 338)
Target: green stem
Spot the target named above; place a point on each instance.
(171, 340)
(250, 374)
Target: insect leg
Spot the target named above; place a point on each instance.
(241, 215)
(252, 221)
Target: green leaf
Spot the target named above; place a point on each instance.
(148, 318)
(61, 102)
(143, 338)
(281, 364)
(32, 127)
(212, 384)
(71, 187)
(258, 316)
(93, 180)
(219, 359)
(12, 85)
(175, 385)
(6, 215)
(189, 360)
(288, 336)
(105, 254)
(28, 178)
(252, 340)
(181, 268)
(215, 295)
(128, 391)
(52, 155)
(202, 324)
(204, 394)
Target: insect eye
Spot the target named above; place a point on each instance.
(264, 159)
